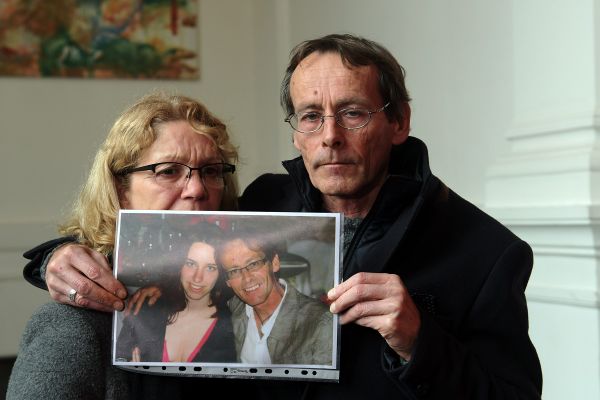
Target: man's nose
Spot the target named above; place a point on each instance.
(332, 133)
(245, 273)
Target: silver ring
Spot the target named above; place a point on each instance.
(72, 294)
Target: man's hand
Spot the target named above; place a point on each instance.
(136, 355)
(75, 266)
(150, 293)
(381, 302)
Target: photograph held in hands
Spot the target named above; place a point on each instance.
(228, 294)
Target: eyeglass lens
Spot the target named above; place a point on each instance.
(174, 174)
(252, 266)
(348, 118)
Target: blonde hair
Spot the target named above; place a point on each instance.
(93, 217)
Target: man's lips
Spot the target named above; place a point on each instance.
(251, 288)
(333, 163)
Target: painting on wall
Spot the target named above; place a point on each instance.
(131, 39)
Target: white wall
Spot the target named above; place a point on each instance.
(464, 62)
(457, 58)
(51, 128)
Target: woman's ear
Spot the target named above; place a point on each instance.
(123, 194)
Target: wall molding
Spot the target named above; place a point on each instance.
(565, 251)
(565, 215)
(554, 123)
(562, 295)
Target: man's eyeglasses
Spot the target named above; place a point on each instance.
(236, 273)
(174, 174)
(348, 118)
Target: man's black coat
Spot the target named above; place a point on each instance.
(465, 271)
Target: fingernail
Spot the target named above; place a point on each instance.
(121, 293)
(332, 308)
(331, 292)
(118, 305)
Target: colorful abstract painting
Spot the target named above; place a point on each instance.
(133, 39)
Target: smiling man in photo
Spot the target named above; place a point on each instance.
(273, 322)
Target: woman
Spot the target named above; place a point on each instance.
(65, 351)
(191, 322)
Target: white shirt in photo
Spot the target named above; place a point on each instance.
(255, 350)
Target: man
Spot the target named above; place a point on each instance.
(432, 303)
(273, 323)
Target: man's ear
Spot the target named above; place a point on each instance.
(402, 127)
(294, 141)
(275, 263)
